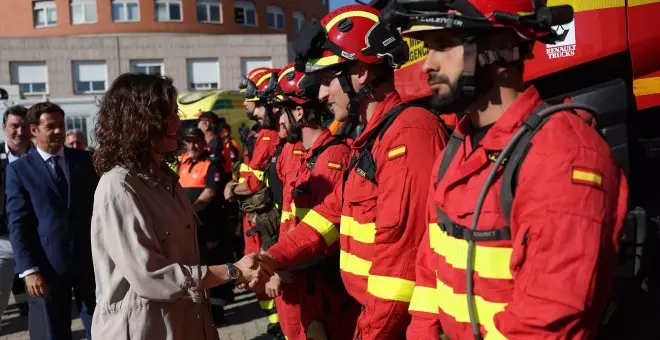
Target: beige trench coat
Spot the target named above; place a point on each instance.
(146, 262)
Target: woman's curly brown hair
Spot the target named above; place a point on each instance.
(131, 119)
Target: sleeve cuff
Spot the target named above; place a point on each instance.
(28, 272)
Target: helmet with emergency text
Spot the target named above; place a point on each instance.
(531, 19)
(477, 22)
(258, 84)
(349, 33)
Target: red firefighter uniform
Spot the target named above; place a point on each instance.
(552, 279)
(253, 175)
(313, 295)
(287, 165)
(381, 225)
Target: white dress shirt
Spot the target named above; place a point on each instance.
(65, 168)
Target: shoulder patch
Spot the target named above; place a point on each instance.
(266, 138)
(588, 177)
(335, 166)
(396, 152)
(298, 152)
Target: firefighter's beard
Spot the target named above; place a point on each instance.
(294, 133)
(440, 100)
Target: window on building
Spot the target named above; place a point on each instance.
(209, 11)
(203, 74)
(90, 76)
(31, 77)
(45, 14)
(154, 67)
(298, 21)
(275, 17)
(83, 11)
(245, 13)
(168, 10)
(250, 63)
(79, 123)
(125, 10)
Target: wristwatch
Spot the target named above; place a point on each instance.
(233, 272)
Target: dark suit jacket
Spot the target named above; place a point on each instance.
(44, 231)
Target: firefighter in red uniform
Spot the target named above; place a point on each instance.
(377, 215)
(314, 299)
(258, 93)
(536, 265)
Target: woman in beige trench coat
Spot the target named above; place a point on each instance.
(149, 283)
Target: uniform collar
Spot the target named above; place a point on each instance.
(500, 133)
(321, 140)
(391, 100)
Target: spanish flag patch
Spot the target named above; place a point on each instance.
(396, 152)
(266, 138)
(298, 152)
(587, 177)
(333, 165)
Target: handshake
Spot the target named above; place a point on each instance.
(256, 271)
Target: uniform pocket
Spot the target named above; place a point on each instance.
(391, 198)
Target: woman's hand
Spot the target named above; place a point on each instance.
(254, 272)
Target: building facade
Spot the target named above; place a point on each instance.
(71, 50)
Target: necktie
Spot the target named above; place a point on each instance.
(60, 179)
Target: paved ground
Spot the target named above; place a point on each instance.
(243, 321)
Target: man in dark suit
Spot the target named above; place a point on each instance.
(50, 192)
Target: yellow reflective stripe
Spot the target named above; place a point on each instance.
(321, 224)
(365, 233)
(243, 168)
(273, 318)
(286, 215)
(258, 174)
(241, 180)
(267, 304)
(455, 305)
(300, 213)
(424, 299)
(646, 86)
(489, 262)
(282, 74)
(353, 264)
(588, 5)
(343, 16)
(633, 3)
(263, 78)
(325, 61)
(390, 288)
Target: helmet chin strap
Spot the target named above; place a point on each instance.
(468, 88)
(294, 132)
(269, 119)
(353, 127)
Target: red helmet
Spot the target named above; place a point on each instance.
(259, 84)
(349, 33)
(295, 86)
(529, 18)
(252, 74)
